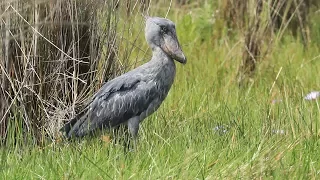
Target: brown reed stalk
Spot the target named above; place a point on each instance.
(261, 22)
(54, 55)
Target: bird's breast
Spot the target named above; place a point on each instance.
(165, 75)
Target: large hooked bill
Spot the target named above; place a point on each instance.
(172, 47)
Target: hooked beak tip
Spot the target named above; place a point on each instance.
(182, 60)
(185, 61)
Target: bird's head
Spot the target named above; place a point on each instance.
(161, 32)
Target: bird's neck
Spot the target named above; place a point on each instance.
(160, 57)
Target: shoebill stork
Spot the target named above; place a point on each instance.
(128, 99)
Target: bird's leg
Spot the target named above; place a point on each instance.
(122, 135)
(133, 127)
(134, 138)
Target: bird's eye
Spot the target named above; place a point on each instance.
(164, 29)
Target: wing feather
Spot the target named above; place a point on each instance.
(116, 102)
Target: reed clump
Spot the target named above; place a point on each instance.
(53, 55)
(262, 22)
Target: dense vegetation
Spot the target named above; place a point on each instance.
(236, 109)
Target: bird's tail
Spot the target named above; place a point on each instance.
(68, 126)
(71, 128)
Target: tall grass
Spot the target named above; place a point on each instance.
(55, 53)
(263, 22)
(208, 127)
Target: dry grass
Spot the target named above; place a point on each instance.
(54, 54)
(262, 23)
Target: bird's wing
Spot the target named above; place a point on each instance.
(116, 102)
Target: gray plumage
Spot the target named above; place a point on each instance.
(131, 97)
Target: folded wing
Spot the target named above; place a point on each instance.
(116, 102)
